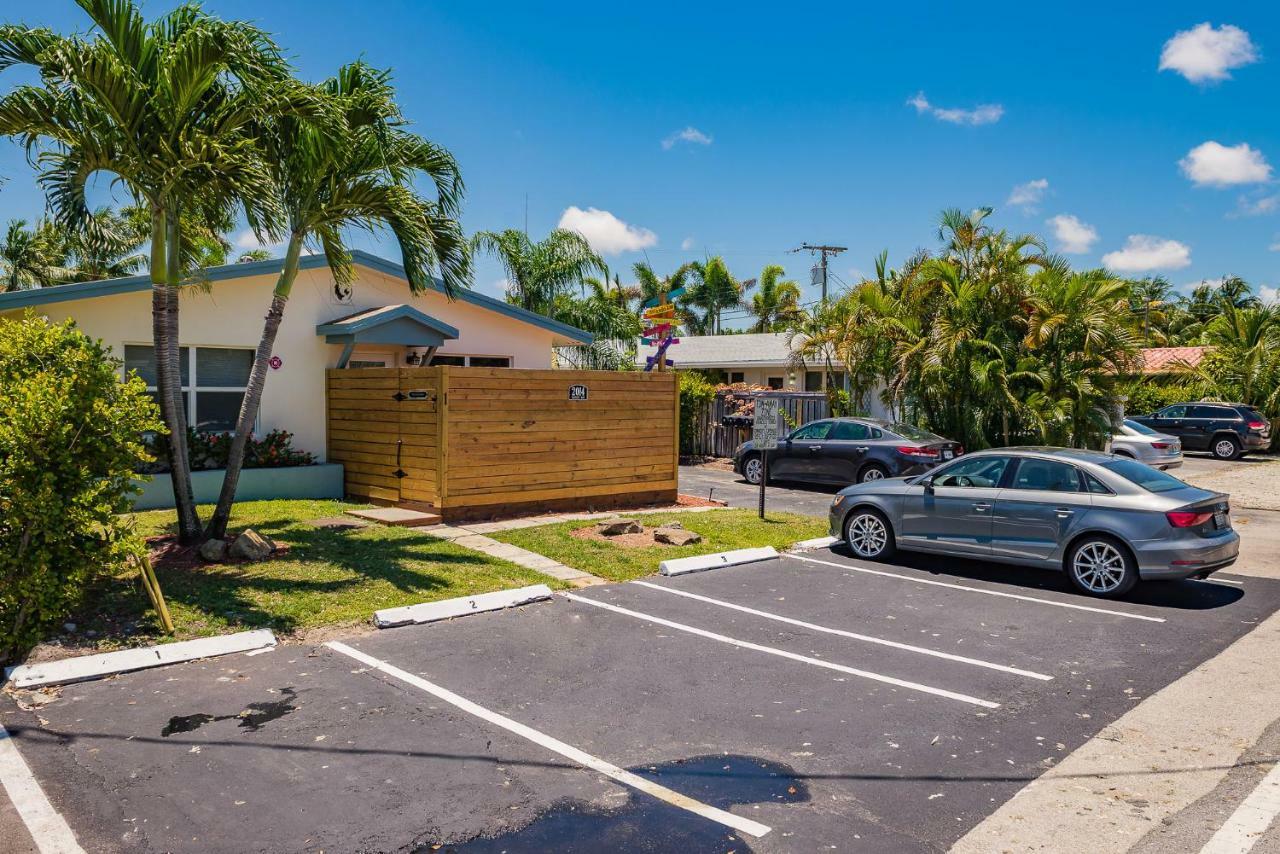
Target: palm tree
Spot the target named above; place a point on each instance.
(537, 273)
(107, 248)
(775, 303)
(1245, 361)
(355, 173)
(170, 109)
(29, 257)
(652, 287)
(714, 289)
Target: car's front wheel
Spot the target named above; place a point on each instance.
(868, 535)
(1102, 566)
(1226, 448)
(753, 469)
(872, 471)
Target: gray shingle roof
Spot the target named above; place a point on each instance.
(755, 348)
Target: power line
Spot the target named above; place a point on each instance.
(825, 251)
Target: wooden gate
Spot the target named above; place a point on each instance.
(384, 424)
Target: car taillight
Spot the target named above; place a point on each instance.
(1161, 445)
(959, 450)
(1187, 518)
(1257, 425)
(909, 451)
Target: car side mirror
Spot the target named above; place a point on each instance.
(927, 483)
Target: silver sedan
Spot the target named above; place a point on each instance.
(1139, 442)
(1107, 521)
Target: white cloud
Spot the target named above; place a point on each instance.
(983, 114)
(1028, 195)
(1211, 164)
(687, 244)
(690, 135)
(1275, 246)
(1073, 236)
(605, 232)
(1203, 54)
(1269, 295)
(1142, 253)
(246, 241)
(1256, 205)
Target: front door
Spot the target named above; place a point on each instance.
(954, 513)
(1044, 503)
(845, 451)
(1173, 421)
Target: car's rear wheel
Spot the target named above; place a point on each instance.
(869, 535)
(753, 469)
(1226, 447)
(872, 471)
(1102, 566)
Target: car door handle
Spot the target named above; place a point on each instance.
(1064, 512)
(813, 449)
(861, 448)
(981, 506)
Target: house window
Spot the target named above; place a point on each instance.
(774, 383)
(471, 361)
(367, 363)
(813, 380)
(736, 377)
(213, 382)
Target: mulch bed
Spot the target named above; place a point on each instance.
(167, 553)
(627, 541)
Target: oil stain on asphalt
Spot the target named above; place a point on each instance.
(648, 824)
(252, 717)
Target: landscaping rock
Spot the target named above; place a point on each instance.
(615, 527)
(69, 628)
(251, 546)
(676, 536)
(213, 551)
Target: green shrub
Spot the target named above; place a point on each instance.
(1146, 395)
(70, 437)
(696, 395)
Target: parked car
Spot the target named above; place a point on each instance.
(1139, 442)
(848, 450)
(1106, 521)
(1225, 430)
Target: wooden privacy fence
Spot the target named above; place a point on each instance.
(475, 442)
(718, 430)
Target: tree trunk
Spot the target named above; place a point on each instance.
(168, 377)
(189, 531)
(253, 393)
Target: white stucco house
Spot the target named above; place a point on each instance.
(757, 358)
(379, 324)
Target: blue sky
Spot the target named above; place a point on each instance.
(799, 123)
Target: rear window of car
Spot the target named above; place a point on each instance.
(1139, 428)
(1222, 413)
(915, 434)
(1152, 480)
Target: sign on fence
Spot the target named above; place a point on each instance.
(764, 427)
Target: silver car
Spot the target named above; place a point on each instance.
(1139, 442)
(1106, 520)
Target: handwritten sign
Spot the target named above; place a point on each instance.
(764, 427)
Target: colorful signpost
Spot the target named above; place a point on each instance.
(660, 328)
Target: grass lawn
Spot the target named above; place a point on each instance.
(721, 530)
(327, 577)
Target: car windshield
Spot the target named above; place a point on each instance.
(1139, 428)
(915, 434)
(1152, 480)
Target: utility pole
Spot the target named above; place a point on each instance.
(826, 252)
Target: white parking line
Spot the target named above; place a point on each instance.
(1250, 820)
(1017, 596)
(782, 653)
(977, 662)
(728, 819)
(48, 828)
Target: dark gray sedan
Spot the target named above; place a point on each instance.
(1106, 520)
(848, 450)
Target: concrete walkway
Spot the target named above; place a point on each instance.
(475, 537)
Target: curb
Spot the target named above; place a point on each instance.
(700, 563)
(86, 667)
(447, 609)
(815, 543)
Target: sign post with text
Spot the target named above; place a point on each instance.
(764, 437)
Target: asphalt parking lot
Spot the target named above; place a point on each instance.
(814, 702)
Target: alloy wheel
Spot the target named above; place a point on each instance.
(867, 535)
(872, 474)
(753, 470)
(1099, 567)
(1224, 449)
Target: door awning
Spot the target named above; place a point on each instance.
(400, 325)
